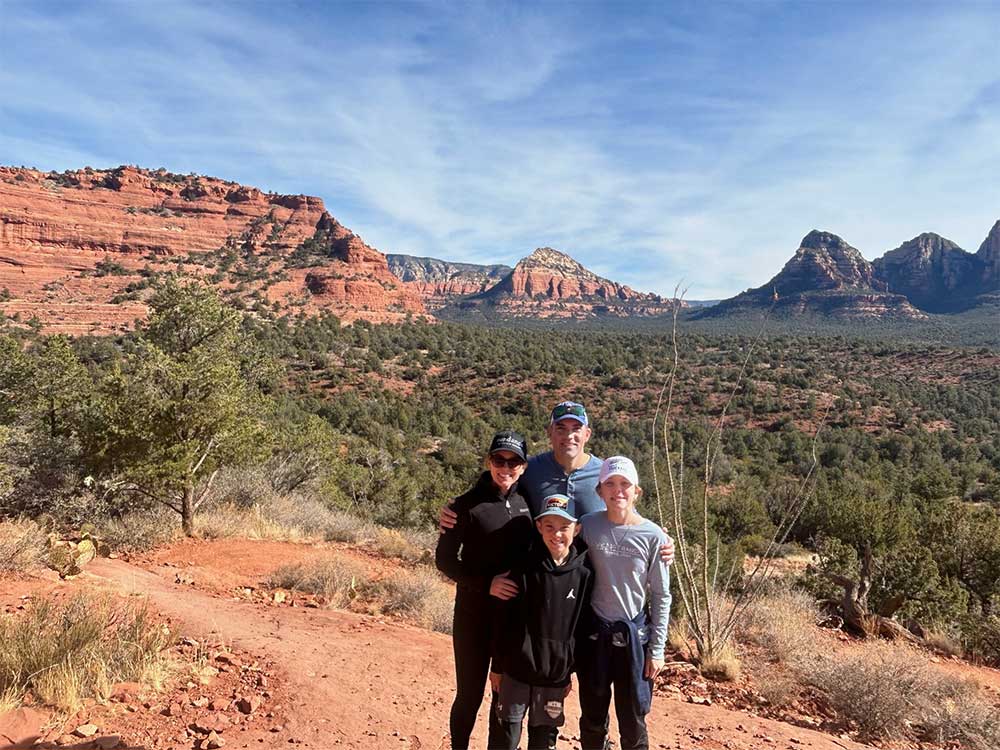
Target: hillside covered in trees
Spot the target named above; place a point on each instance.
(390, 421)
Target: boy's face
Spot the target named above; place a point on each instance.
(557, 533)
(617, 492)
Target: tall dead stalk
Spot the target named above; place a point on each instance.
(713, 606)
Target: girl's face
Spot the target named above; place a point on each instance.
(618, 493)
(505, 468)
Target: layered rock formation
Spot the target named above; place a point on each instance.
(550, 284)
(85, 238)
(826, 276)
(935, 274)
(440, 282)
(989, 256)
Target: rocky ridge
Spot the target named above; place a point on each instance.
(77, 249)
(825, 276)
(937, 275)
(440, 282)
(551, 284)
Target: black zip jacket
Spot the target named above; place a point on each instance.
(535, 642)
(491, 536)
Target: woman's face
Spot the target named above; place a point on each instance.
(505, 468)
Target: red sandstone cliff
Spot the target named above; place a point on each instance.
(74, 247)
(549, 283)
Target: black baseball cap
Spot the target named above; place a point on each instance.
(508, 440)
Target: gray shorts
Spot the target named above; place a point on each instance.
(543, 705)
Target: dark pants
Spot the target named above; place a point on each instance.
(471, 638)
(542, 705)
(539, 738)
(595, 700)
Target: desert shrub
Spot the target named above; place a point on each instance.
(65, 653)
(338, 581)
(419, 595)
(875, 687)
(783, 622)
(943, 643)
(778, 685)
(888, 691)
(22, 546)
(139, 531)
(954, 710)
(343, 527)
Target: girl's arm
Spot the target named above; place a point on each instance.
(658, 586)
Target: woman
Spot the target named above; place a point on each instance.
(493, 531)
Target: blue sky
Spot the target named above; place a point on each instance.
(655, 142)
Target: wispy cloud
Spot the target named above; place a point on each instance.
(651, 142)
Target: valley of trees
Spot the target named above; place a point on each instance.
(388, 422)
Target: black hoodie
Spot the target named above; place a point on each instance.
(536, 637)
(491, 536)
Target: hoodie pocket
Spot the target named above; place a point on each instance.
(553, 659)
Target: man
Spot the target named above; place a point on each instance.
(567, 470)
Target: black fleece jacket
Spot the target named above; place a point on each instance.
(491, 536)
(535, 642)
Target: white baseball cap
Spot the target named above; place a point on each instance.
(620, 466)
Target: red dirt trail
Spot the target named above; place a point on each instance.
(360, 682)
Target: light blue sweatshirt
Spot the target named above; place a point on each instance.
(627, 562)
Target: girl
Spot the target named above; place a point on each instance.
(622, 650)
(492, 533)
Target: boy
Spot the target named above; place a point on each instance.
(533, 653)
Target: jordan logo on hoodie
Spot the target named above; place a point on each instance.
(571, 594)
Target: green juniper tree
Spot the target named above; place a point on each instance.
(185, 402)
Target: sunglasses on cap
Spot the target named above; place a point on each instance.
(510, 463)
(569, 410)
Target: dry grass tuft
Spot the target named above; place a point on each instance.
(337, 580)
(723, 666)
(783, 623)
(419, 595)
(22, 546)
(66, 653)
(405, 544)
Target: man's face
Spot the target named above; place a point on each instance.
(557, 533)
(568, 438)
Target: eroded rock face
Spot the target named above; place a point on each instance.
(825, 261)
(825, 276)
(440, 282)
(934, 273)
(72, 243)
(549, 283)
(989, 256)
